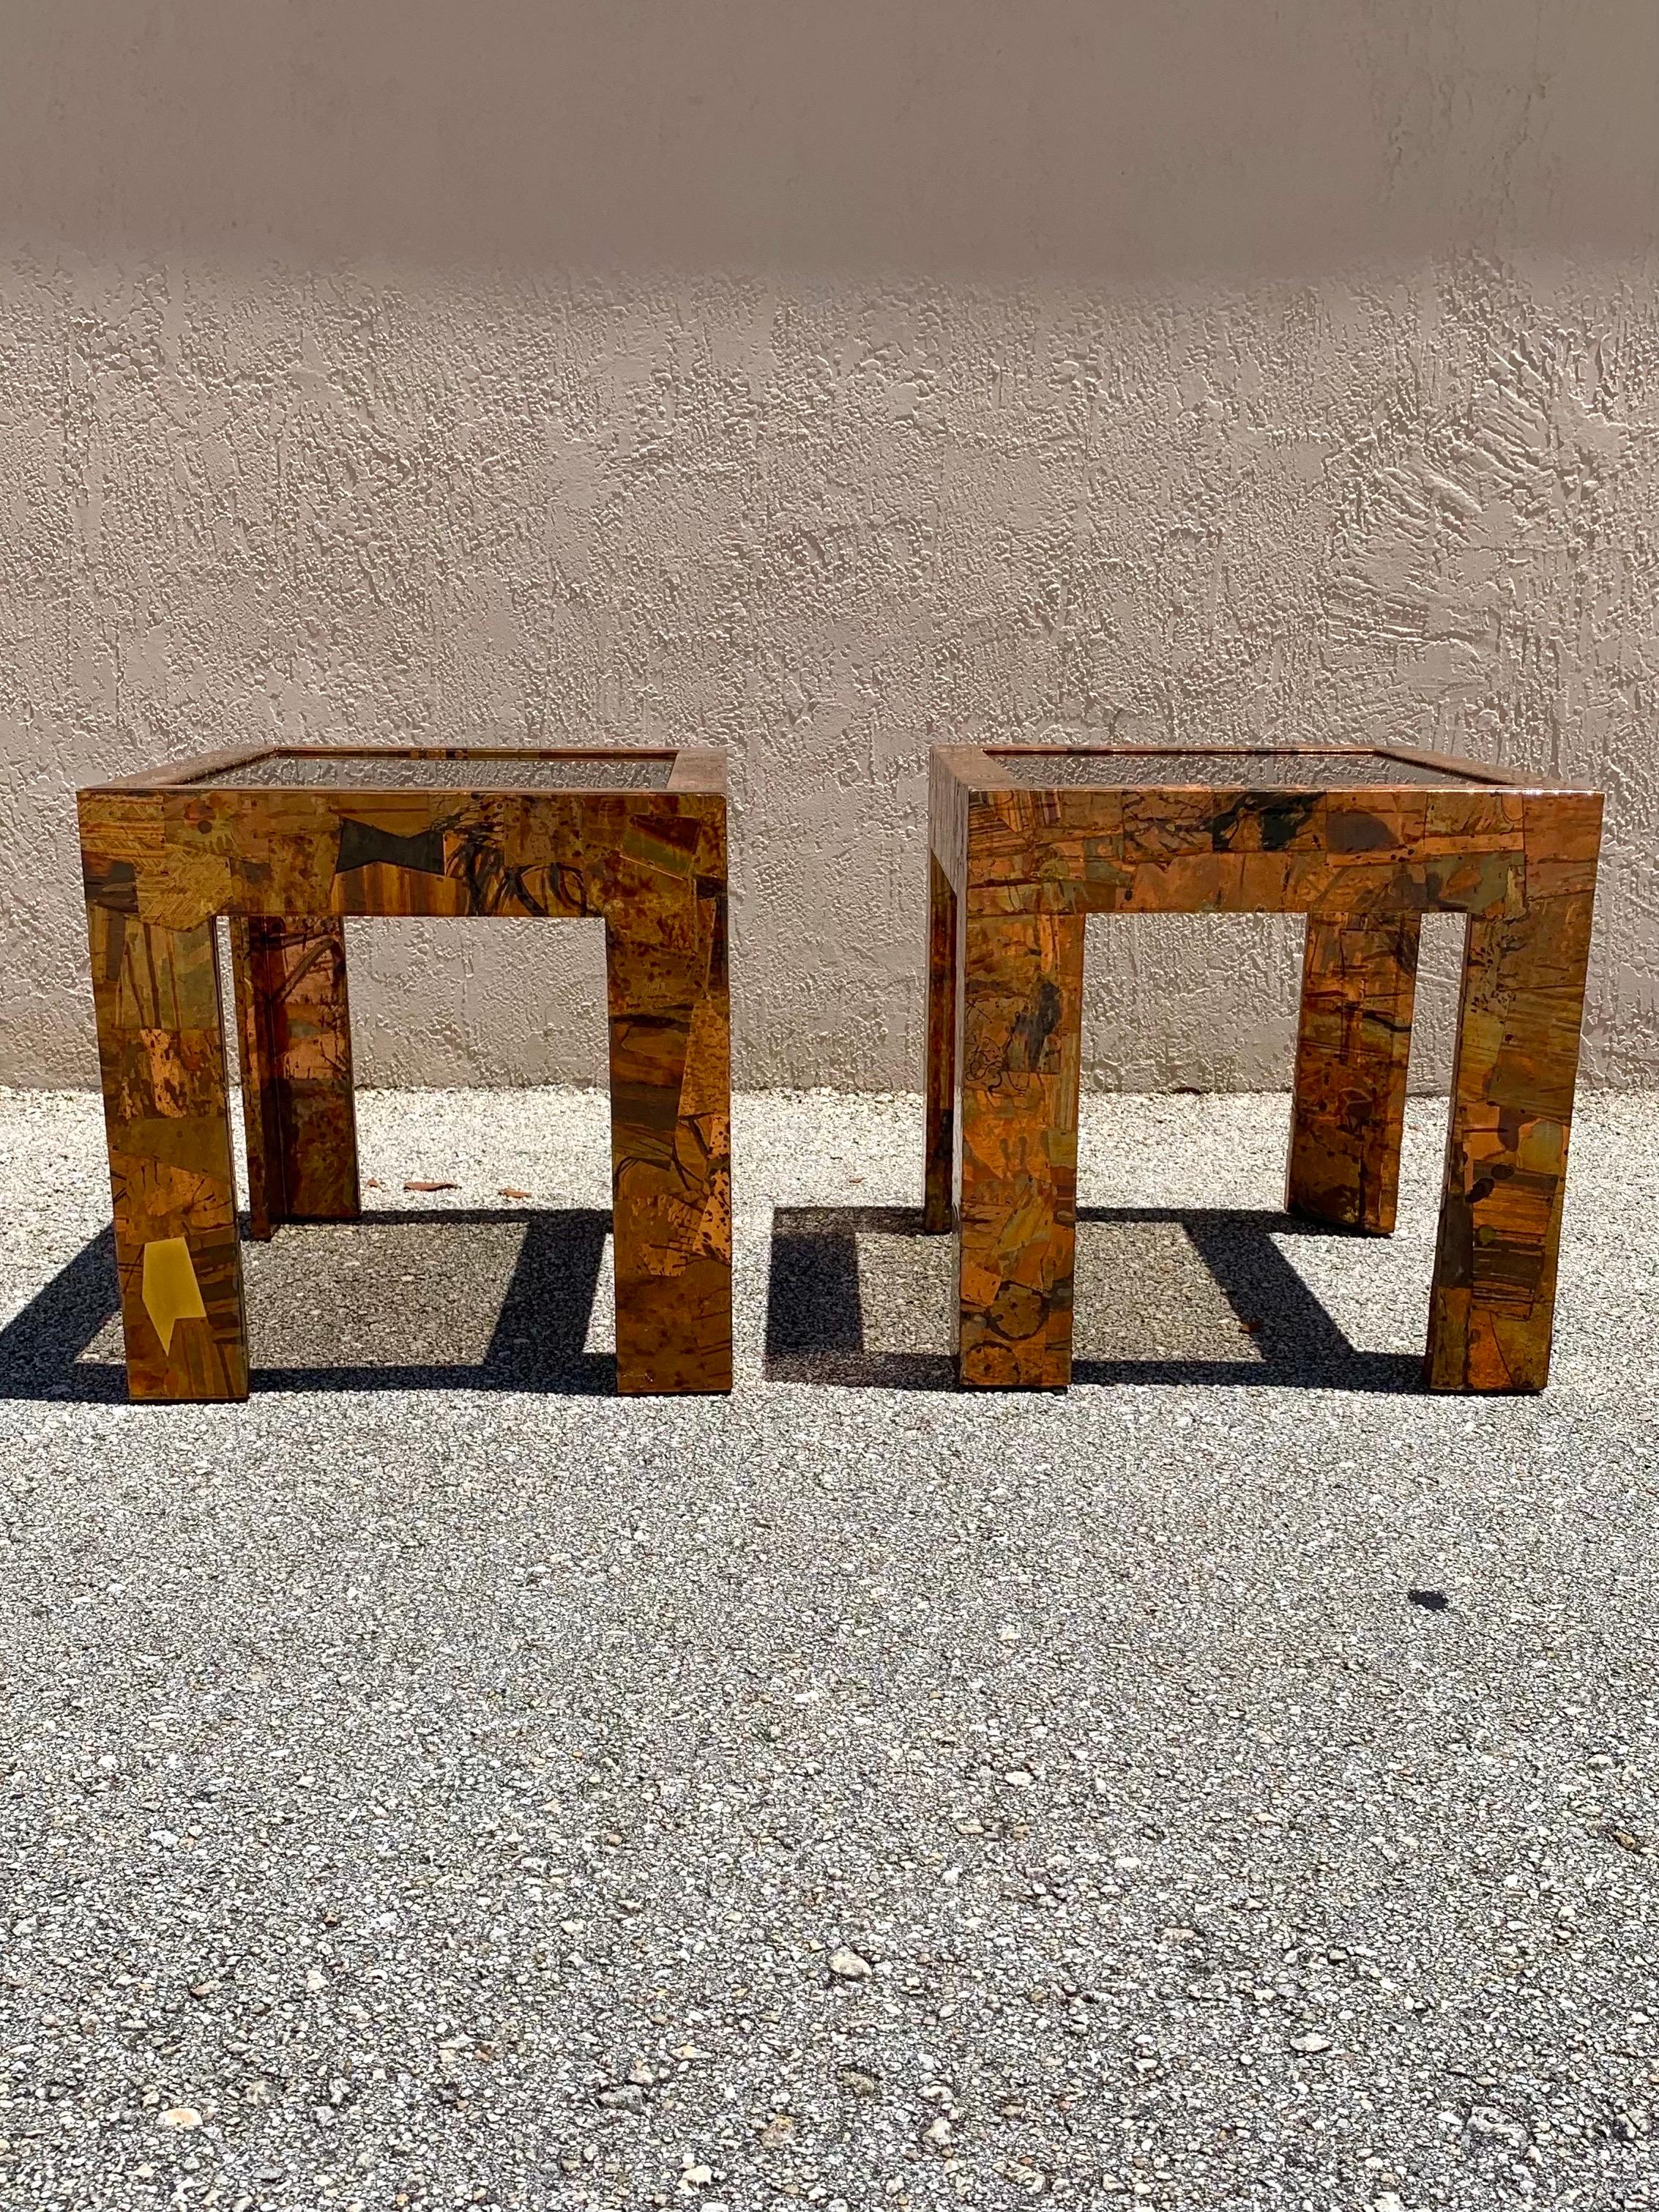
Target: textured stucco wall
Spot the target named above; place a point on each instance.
(823, 380)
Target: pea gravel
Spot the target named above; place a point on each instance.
(437, 1783)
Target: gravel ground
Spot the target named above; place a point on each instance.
(436, 1783)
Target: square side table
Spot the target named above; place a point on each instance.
(1027, 841)
(285, 843)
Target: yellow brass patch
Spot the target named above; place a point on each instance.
(171, 1291)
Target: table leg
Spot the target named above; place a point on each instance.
(670, 1151)
(161, 1049)
(295, 1031)
(1021, 1022)
(1353, 1041)
(1493, 1300)
(938, 1213)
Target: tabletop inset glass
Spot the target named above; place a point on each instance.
(1226, 769)
(386, 768)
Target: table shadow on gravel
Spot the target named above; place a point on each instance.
(861, 1298)
(485, 1299)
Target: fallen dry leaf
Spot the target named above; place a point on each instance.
(432, 1186)
(371, 1182)
(508, 1192)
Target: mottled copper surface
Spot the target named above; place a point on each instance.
(940, 1085)
(1026, 855)
(162, 858)
(1353, 1043)
(161, 1050)
(1511, 1115)
(295, 1033)
(1022, 1027)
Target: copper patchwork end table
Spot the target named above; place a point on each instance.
(286, 841)
(1027, 841)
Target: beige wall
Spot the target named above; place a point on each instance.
(821, 377)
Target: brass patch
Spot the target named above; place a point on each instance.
(171, 1291)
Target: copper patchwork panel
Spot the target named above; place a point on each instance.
(295, 1033)
(287, 841)
(939, 1085)
(162, 1054)
(1353, 1042)
(1026, 843)
(1021, 1036)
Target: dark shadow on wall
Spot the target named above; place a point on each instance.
(467, 1299)
(1088, 138)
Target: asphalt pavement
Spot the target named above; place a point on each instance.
(437, 1782)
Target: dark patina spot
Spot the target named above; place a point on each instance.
(361, 844)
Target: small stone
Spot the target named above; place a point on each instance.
(941, 2134)
(695, 2177)
(1388, 2202)
(1019, 1777)
(1310, 2043)
(1488, 2124)
(1008, 1633)
(624, 2097)
(316, 1979)
(848, 1967)
(181, 2116)
(855, 2082)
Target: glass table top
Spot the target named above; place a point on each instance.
(387, 769)
(1224, 768)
